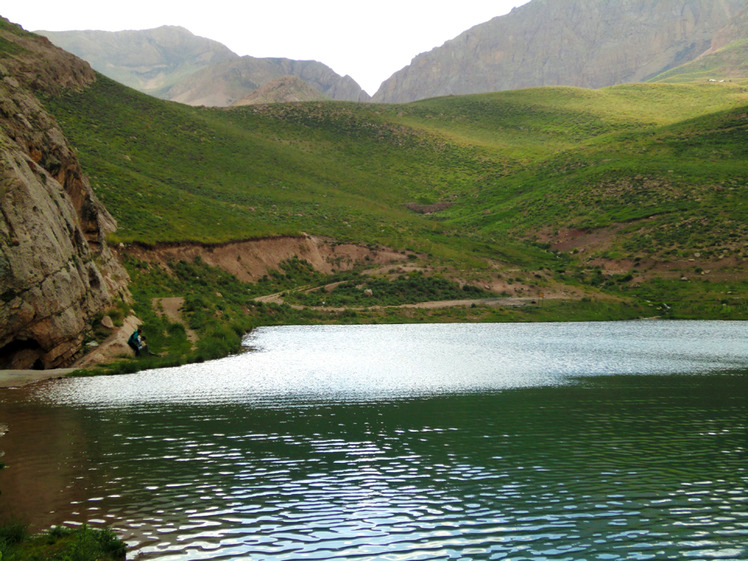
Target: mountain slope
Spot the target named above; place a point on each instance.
(171, 63)
(726, 59)
(149, 61)
(729, 63)
(510, 165)
(220, 85)
(735, 30)
(288, 89)
(585, 43)
(636, 190)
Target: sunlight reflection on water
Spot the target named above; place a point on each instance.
(537, 441)
(336, 363)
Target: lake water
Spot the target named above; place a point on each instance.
(404, 442)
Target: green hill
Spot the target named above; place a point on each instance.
(532, 205)
(512, 162)
(730, 63)
(644, 182)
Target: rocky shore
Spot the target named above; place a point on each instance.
(114, 346)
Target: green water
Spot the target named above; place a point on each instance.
(608, 466)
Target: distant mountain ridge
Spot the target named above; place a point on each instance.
(224, 83)
(584, 43)
(150, 61)
(171, 63)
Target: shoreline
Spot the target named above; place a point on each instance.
(20, 378)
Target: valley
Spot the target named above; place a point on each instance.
(539, 204)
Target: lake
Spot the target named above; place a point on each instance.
(622, 440)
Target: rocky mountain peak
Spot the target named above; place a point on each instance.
(584, 43)
(172, 63)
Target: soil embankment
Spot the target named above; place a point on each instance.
(250, 260)
(171, 308)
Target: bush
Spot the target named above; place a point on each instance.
(60, 544)
(13, 532)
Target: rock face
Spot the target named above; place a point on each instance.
(585, 43)
(150, 61)
(725, 60)
(172, 63)
(56, 270)
(735, 30)
(283, 90)
(220, 85)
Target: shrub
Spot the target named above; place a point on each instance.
(60, 544)
(13, 532)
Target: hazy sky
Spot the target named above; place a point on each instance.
(369, 41)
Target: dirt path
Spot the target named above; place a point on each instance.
(171, 308)
(18, 378)
(437, 304)
(432, 305)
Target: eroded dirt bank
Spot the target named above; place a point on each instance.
(251, 259)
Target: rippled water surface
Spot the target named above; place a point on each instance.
(552, 441)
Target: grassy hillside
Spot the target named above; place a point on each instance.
(169, 172)
(727, 64)
(691, 171)
(535, 205)
(633, 198)
(511, 163)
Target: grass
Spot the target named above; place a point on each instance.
(724, 65)
(218, 307)
(511, 161)
(659, 168)
(382, 291)
(59, 544)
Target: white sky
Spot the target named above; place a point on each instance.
(368, 41)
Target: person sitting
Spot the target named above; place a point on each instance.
(137, 342)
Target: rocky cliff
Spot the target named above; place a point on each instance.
(725, 60)
(222, 84)
(585, 43)
(56, 270)
(735, 30)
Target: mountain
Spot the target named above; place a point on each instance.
(619, 202)
(634, 178)
(288, 89)
(584, 43)
(735, 30)
(150, 61)
(57, 273)
(726, 58)
(220, 85)
(172, 63)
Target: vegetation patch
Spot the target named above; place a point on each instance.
(478, 185)
(381, 291)
(59, 544)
